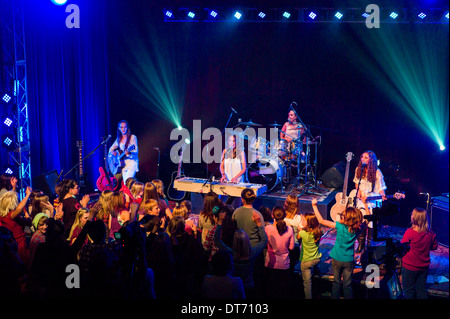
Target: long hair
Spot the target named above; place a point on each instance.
(117, 203)
(159, 187)
(209, 202)
(37, 206)
(5, 181)
(291, 206)
(150, 192)
(175, 228)
(279, 214)
(119, 133)
(369, 171)
(241, 245)
(353, 219)
(66, 185)
(313, 226)
(419, 220)
(77, 222)
(8, 202)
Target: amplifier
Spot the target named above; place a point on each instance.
(439, 219)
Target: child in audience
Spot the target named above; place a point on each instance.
(280, 242)
(80, 220)
(309, 238)
(40, 222)
(416, 262)
(343, 251)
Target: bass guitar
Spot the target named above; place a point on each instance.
(172, 192)
(341, 198)
(116, 162)
(352, 199)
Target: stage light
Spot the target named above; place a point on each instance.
(7, 122)
(338, 15)
(179, 127)
(261, 15)
(169, 13)
(365, 15)
(9, 171)
(422, 15)
(446, 15)
(286, 15)
(187, 141)
(7, 141)
(312, 15)
(442, 148)
(59, 2)
(6, 98)
(237, 15)
(213, 13)
(191, 15)
(393, 15)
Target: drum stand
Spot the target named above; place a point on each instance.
(310, 186)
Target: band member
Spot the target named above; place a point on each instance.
(292, 129)
(123, 142)
(368, 179)
(233, 164)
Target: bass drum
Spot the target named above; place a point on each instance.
(267, 172)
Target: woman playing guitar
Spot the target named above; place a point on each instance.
(124, 143)
(368, 179)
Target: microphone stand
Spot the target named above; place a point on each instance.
(87, 156)
(159, 156)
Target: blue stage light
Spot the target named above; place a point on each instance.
(59, 2)
(422, 15)
(237, 15)
(261, 15)
(213, 14)
(442, 148)
(312, 15)
(7, 141)
(286, 15)
(338, 15)
(393, 15)
(7, 122)
(6, 98)
(9, 171)
(191, 15)
(446, 15)
(169, 13)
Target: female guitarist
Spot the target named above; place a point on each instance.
(368, 179)
(123, 153)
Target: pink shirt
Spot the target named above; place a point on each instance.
(278, 247)
(418, 256)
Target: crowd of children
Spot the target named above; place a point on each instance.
(131, 243)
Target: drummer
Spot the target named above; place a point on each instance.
(291, 130)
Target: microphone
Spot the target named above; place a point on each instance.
(235, 112)
(106, 138)
(156, 149)
(424, 194)
(293, 102)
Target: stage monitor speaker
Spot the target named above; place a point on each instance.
(334, 176)
(439, 219)
(46, 183)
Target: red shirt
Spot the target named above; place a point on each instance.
(418, 256)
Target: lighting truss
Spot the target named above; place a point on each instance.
(305, 15)
(15, 74)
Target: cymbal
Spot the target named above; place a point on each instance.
(275, 124)
(250, 123)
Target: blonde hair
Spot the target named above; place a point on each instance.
(8, 203)
(77, 222)
(148, 206)
(136, 189)
(180, 211)
(419, 220)
(291, 206)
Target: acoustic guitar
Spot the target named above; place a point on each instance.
(341, 198)
(372, 197)
(116, 162)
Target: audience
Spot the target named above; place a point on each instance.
(147, 251)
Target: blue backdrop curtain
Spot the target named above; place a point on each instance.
(67, 86)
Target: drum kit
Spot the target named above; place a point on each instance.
(283, 162)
